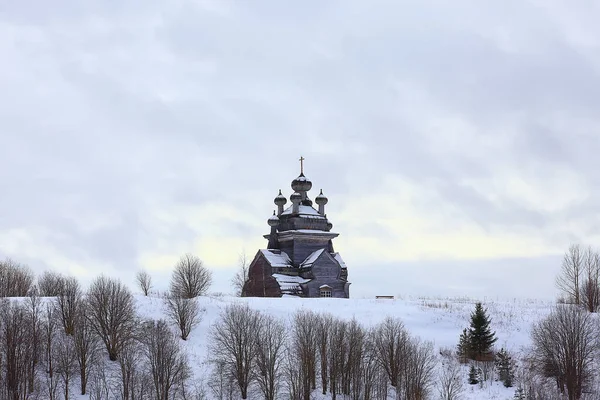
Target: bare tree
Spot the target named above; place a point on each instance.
(222, 382)
(450, 385)
(34, 317)
(166, 360)
(111, 313)
(418, 369)
(99, 381)
(304, 342)
(390, 340)
(565, 343)
(15, 350)
(353, 379)
(233, 342)
(131, 383)
(271, 337)
(86, 346)
(65, 361)
(16, 280)
(337, 356)
(323, 333)
(190, 277)
(144, 281)
(183, 312)
(292, 374)
(50, 352)
(50, 283)
(590, 286)
(241, 276)
(67, 302)
(375, 378)
(569, 279)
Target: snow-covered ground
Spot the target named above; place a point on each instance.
(437, 320)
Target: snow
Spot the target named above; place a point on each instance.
(277, 259)
(283, 279)
(339, 259)
(304, 211)
(437, 320)
(308, 262)
(290, 284)
(306, 231)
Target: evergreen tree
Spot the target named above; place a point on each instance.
(505, 367)
(463, 348)
(519, 394)
(473, 375)
(481, 336)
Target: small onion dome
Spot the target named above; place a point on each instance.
(280, 200)
(273, 220)
(321, 199)
(301, 184)
(296, 197)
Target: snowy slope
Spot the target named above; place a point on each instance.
(438, 320)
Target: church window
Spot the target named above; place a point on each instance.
(325, 291)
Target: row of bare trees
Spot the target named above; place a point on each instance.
(579, 277)
(16, 280)
(92, 340)
(564, 360)
(252, 351)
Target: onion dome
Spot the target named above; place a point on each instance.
(273, 220)
(321, 199)
(280, 200)
(301, 184)
(296, 197)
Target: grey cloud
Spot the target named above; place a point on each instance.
(125, 108)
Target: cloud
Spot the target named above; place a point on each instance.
(448, 137)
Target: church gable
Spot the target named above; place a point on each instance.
(260, 282)
(325, 271)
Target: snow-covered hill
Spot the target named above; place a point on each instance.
(437, 320)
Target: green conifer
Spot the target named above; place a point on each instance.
(505, 367)
(473, 375)
(463, 348)
(481, 336)
(519, 394)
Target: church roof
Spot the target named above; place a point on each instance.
(277, 258)
(290, 284)
(304, 211)
(310, 260)
(339, 259)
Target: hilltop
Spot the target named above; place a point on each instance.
(439, 321)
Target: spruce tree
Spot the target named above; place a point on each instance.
(505, 367)
(481, 336)
(473, 375)
(519, 394)
(463, 348)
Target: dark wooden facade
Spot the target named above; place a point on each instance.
(260, 282)
(299, 259)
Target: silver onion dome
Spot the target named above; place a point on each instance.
(280, 200)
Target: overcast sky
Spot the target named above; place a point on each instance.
(458, 142)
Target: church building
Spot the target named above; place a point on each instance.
(299, 259)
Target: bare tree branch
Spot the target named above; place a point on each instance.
(111, 313)
(569, 279)
(184, 313)
(190, 278)
(241, 276)
(144, 281)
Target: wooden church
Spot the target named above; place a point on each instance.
(299, 259)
